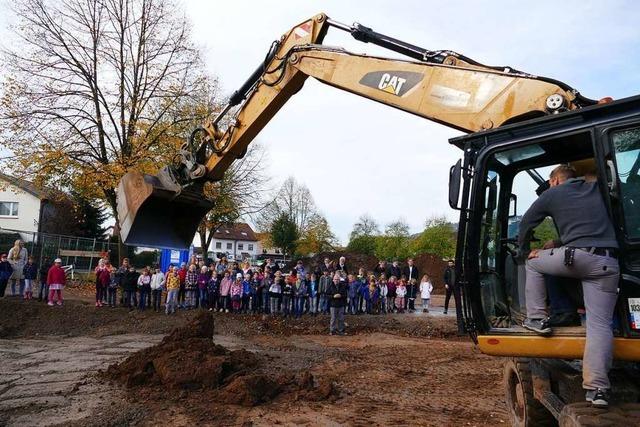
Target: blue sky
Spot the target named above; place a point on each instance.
(357, 156)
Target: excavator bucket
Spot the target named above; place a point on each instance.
(156, 214)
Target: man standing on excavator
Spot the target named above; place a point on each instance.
(589, 252)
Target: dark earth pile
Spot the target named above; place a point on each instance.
(434, 266)
(188, 359)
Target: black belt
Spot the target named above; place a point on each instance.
(610, 252)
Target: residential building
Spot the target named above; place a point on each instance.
(265, 249)
(237, 242)
(23, 206)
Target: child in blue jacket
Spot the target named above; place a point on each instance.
(6, 270)
(213, 292)
(301, 296)
(363, 284)
(352, 293)
(30, 272)
(247, 293)
(371, 295)
(313, 295)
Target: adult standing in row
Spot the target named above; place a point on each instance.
(452, 288)
(449, 281)
(5, 273)
(395, 270)
(342, 268)
(338, 299)
(17, 258)
(327, 266)
(273, 268)
(381, 268)
(410, 272)
(120, 274)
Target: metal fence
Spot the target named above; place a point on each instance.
(80, 252)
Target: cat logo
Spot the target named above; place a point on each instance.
(394, 82)
(391, 84)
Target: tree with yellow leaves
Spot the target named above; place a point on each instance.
(96, 88)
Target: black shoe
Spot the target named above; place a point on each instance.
(599, 397)
(564, 319)
(444, 312)
(539, 326)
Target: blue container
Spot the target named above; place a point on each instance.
(172, 256)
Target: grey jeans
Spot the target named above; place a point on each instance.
(599, 275)
(337, 319)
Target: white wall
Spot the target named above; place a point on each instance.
(235, 249)
(269, 250)
(28, 209)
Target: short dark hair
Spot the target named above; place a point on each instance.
(563, 171)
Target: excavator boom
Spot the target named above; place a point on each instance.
(442, 86)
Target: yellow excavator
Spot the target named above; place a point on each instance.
(519, 125)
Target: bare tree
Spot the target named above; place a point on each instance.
(238, 195)
(365, 227)
(98, 87)
(294, 200)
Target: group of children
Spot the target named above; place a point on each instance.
(51, 283)
(247, 290)
(374, 295)
(228, 288)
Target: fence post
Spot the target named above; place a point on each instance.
(75, 258)
(93, 249)
(41, 241)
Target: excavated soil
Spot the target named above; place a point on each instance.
(256, 370)
(28, 319)
(188, 359)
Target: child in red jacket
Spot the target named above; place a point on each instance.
(56, 280)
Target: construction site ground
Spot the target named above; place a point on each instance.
(409, 369)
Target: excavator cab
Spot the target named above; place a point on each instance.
(502, 174)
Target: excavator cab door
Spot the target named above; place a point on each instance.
(619, 166)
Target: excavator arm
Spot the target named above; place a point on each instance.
(442, 86)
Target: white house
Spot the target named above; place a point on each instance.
(22, 206)
(265, 250)
(236, 242)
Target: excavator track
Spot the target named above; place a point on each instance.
(582, 414)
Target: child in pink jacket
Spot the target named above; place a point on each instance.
(236, 293)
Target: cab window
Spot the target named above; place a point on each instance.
(627, 151)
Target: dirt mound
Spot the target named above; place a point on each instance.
(434, 266)
(188, 359)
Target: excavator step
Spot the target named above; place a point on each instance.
(582, 414)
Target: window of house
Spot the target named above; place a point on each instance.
(9, 209)
(240, 246)
(218, 245)
(250, 246)
(229, 246)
